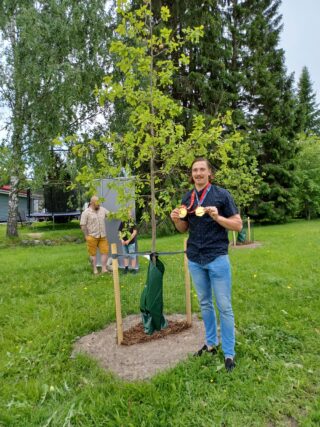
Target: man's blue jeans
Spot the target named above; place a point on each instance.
(216, 277)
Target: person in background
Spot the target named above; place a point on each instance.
(93, 225)
(127, 235)
(208, 212)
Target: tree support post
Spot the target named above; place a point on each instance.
(249, 230)
(115, 268)
(187, 286)
(234, 238)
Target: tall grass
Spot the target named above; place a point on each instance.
(48, 298)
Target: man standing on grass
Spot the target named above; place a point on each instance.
(93, 225)
(208, 212)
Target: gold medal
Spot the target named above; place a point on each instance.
(200, 211)
(182, 212)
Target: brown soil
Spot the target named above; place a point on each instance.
(136, 334)
(142, 356)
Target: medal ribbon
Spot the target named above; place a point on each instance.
(194, 196)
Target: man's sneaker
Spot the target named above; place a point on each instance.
(229, 364)
(213, 350)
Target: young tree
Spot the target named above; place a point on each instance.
(308, 112)
(155, 136)
(153, 133)
(53, 55)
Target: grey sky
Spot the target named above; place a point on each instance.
(300, 38)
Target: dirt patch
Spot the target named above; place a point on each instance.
(35, 235)
(246, 245)
(142, 360)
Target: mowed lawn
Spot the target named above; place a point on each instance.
(49, 298)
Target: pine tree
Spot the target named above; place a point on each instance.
(206, 84)
(209, 83)
(308, 112)
(268, 103)
(239, 66)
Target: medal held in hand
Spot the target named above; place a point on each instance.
(200, 211)
(183, 211)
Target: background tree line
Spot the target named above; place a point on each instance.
(56, 52)
(239, 66)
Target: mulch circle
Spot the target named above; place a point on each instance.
(136, 334)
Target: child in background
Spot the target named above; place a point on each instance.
(127, 235)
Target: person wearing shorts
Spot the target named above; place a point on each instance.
(93, 225)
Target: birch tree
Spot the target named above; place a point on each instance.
(53, 55)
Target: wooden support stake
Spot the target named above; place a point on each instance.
(249, 230)
(187, 286)
(234, 238)
(115, 268)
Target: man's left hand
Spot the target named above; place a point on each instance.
(212, 211)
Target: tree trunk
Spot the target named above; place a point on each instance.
(17, 173)
(308, 213)
(17, 122)
(152, 165)
(235, 45)
(153, 206)
(12, 225)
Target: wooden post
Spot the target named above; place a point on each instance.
(187, 286)
(234, 238)
(249, 230)
(115, 268)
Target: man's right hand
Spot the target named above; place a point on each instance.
(175, 215)
(181, 226)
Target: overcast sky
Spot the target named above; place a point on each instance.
(300, 38)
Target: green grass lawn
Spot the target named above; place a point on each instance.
(48, 298)
(41, 231)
